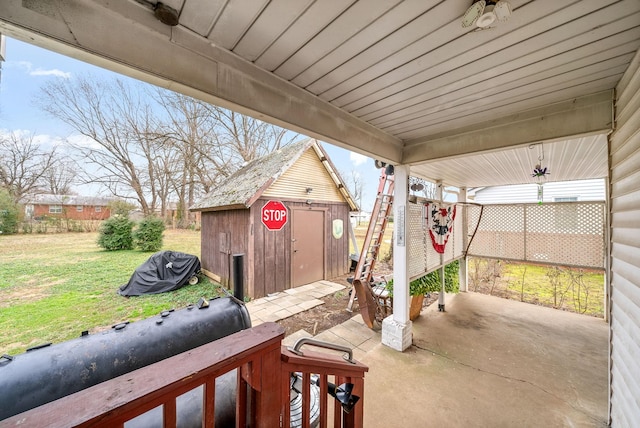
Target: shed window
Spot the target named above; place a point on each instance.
(98, 209)
(79, 208)
(55, 209)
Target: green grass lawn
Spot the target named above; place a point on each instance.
(52, 287)
(574, 290)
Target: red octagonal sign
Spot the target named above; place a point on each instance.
(274, 215)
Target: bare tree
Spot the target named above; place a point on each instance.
(59, 178)
(24, 164)
(188, 165)
(212, 144)
(155, 145)
(355, 184)
(119, 121)
(241, 138)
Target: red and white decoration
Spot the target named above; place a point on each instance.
(440, 219)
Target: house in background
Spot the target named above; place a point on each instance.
(558, 191)
(70, 207)
(288, 212)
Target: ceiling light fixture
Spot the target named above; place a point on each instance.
(485, 13)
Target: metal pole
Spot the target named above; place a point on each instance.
(439, 197)
(238, 276)
(462, 273)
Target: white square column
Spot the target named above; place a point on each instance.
(396, 328)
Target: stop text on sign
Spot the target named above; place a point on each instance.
(274, 215)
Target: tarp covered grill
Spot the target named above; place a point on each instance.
(164, 271)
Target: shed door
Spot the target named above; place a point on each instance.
(307, 252)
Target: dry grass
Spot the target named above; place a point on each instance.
(361, 231)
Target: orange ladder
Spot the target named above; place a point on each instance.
(373, 239)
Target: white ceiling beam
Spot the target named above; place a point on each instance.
(129, 40)
(588, 115)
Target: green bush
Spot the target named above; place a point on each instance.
(430, 283)
(9, 213)
(148, 235)
(115, 234)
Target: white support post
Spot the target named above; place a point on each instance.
(463, 275)
(396, 328)
(439, 197)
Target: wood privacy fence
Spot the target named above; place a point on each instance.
(262, 397)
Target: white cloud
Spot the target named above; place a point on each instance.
(52, 72)
(28, 68)
(43, 140)
(357, 158)
(16, 133)
(46, 140)
(83, 141)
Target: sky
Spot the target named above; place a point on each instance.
(28, 67)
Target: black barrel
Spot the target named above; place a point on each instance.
(46, 374)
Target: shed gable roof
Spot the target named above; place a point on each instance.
(246, 185)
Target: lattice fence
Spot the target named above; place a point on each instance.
(562, 233)
(423, 258)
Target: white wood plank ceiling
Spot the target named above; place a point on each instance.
(406, 74)
(575, 159)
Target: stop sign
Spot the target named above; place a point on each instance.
(274, 215)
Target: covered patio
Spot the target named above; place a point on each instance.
(487, 361)
(422, 86)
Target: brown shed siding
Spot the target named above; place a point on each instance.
(272, 249)
(271, 254)
(267, 264)
(338, 249)
(224, 233)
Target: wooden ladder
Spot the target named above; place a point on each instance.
(373, 239)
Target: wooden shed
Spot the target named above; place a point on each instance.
(309, 244)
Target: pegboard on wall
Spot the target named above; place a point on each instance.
(563, 233)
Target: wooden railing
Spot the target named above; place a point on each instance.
(325, 367)
(262, 395)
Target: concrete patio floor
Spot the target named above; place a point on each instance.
(485, 362)
(490, 362)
